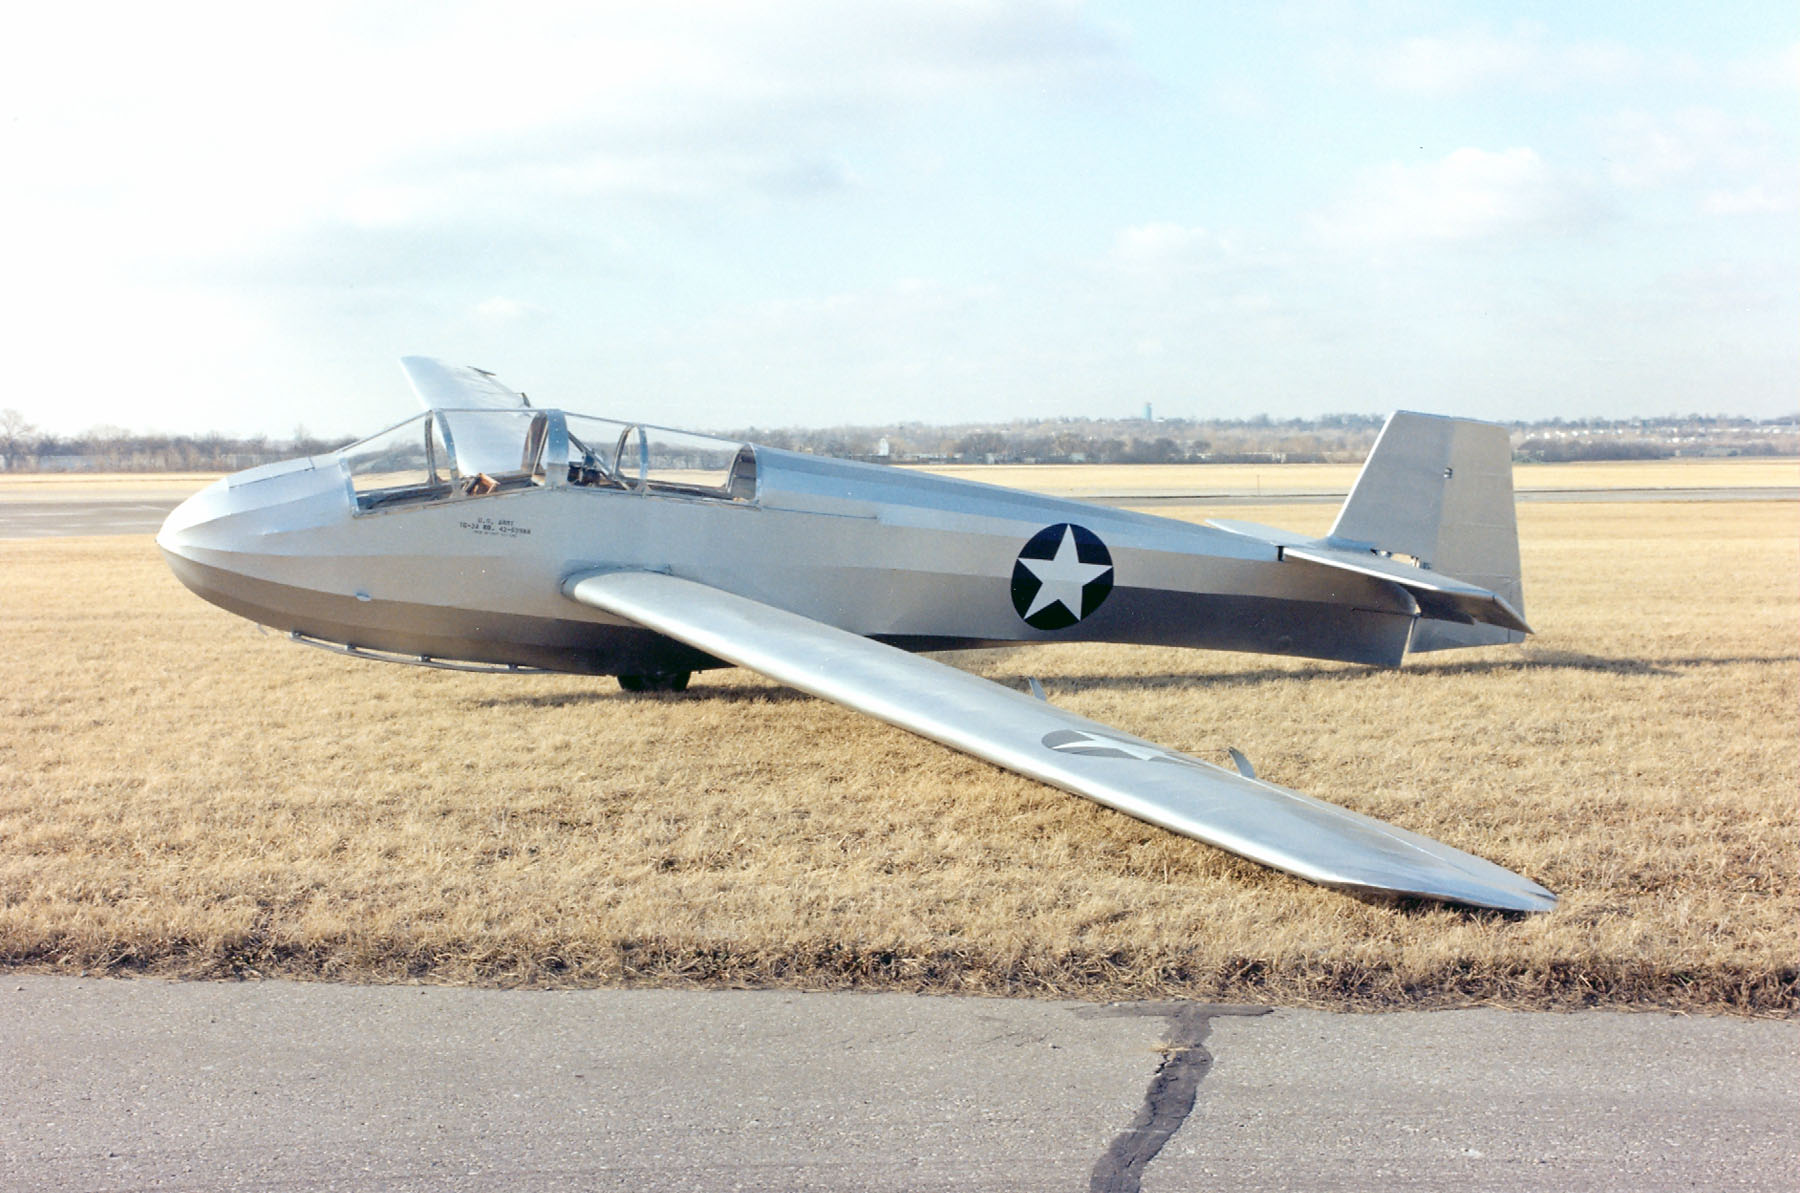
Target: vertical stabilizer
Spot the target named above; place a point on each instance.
(1440, 490)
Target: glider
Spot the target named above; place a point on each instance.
(490, 534)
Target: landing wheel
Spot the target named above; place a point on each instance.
(660, 681)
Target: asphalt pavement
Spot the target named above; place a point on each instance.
(116, 1085)
(62, 517)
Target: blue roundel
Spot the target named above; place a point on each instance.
(1061, 576)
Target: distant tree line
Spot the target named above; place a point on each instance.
(114, 449)
(1087, 440)
(1336, 438)
(1341, 438)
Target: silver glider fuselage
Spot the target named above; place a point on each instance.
(916, 560)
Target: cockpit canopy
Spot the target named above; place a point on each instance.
(448, 454)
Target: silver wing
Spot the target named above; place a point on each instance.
(472, 406)
(1269, 824)
(441, 386)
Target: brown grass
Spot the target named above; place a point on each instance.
(180, 795)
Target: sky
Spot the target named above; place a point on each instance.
(236, 218)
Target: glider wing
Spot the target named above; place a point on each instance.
(490, 428)
(1306, 837)
(443, 386)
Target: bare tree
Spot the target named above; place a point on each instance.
(17, 437)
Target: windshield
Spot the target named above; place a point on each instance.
(607, 454)
(409, 460)
(474, 453)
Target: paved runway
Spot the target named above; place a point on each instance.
(1747, 493)
(56, 518)
(114, 1085)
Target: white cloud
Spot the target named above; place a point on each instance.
(1469, 59)
(198, 124)
(1455, 62)
(1469, 195)
(1241, 100)
(1168, 246)
(1645, 150)
(1642, 152)
(402, 162)
(1751, 200)
(1778, 70)
(502, 310)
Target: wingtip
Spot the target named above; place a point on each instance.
(1519, 895)
(1536, 899)
(1529, 904)
(1523, 898)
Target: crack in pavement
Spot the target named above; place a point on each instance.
(1173, 1088)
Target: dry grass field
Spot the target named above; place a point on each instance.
(181, 795)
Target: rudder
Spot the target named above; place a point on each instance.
(1440, 490)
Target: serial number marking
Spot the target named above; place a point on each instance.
(503, 527)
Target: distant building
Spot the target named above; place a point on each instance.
(71, 463)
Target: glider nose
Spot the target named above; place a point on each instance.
(181, 530)
(202, 545)
(221, 539)
(237, 513)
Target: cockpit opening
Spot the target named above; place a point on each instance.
(452, 454)
(642, 459)
(407, 463)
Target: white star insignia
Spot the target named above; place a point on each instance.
(1117, 745)
(1062, 577)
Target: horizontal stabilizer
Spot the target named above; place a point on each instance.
(1234, 811)
(1442, 597)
